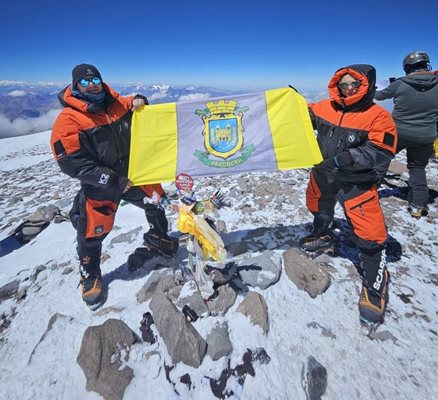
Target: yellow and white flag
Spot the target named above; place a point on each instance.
(266, 131)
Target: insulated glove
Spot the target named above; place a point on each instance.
(218, 199)
(341, 160)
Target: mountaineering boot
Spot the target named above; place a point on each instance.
(91, 288)
(139, 257)
(91, 285)
(157, 238)
(372, 303)
(162, 243)
(316, 242)
(418, 212)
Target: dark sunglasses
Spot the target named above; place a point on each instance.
(345, 85)
(86, 81)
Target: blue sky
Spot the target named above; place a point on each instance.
(227, 44)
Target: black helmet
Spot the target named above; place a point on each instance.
(416, 57)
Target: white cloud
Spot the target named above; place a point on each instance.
(24, 126)
(156, 96)
(313, 97)
(194, 96)
(10, 83)
(17, 93)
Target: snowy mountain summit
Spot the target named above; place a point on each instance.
(279, 325)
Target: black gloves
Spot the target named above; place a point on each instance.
(326, 165)
(218, 199)
(341, 160)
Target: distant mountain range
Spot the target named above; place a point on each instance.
(31, 100)
(32, 107)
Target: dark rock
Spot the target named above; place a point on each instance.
(306, 273)
(186, 380)
(182, 340)
(324, 331)
(223, 301)
(100, 357)
(158, 282)
(36, 272)
(145, 328)
(260, 355)
(237, 248)
(219, 344)
(254, 306)
(314, 379)
(261, 271)
(8, 290)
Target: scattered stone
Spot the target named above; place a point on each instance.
(36, 272)
(186, 380)
(220, 276)
(218, 340)
(195, 301)
(221, 226)
(104, 350)
(261, 271)
(21, 294)
(306, 273)
(8, 290)
(254, 306)
(218, 386)
(324, 331)
(174, 292)
(237, 248)
(256, 233)
(5, 320)
(67, 270)
(245, 368)
(397, 167)
(314, 379)
(223, 301)
(159, 281)
(260, 355)
(145, 328)
(183, 342)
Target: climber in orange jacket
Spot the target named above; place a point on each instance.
(91, 141)
(357, 139)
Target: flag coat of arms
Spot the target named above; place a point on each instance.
(265, 131)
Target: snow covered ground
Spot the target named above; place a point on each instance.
(401, 362)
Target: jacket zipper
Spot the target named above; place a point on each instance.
(115, 138)
(332, 131)
(339, 125)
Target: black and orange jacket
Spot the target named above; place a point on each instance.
(91, 143)
(357, 125)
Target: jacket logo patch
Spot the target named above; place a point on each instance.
(388, 139)
(98, 229)
(104, 178)
(351, 138)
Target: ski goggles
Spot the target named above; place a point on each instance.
(346, 85)
(86, 81)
